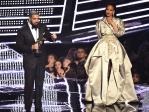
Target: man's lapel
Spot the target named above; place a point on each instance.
(41, 32)
(29, 33)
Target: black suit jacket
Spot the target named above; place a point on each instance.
(24, 42)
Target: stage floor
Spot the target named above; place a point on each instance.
(66, 95)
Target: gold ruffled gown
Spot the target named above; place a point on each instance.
(118, 87)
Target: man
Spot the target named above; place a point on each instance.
(80, 71)
(34, 65)
(81, 58)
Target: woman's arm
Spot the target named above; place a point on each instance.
(98, 30)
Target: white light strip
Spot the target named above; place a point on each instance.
(139, 26)
(87, 41)
(131, 12)
(137, 17)
(137, 30)
(53, 25)
(91, 26)
(81, 28)
(133, 3)
(31, 7)
(88, 20)
(100, 9)
(120, 14)
(88, 1)
(11, 71)
(41, 17)
(47, 17)
(128, 19)
(12, 60)
(74, 19)
(127, 4)
(62, 19)
(89, 37)
(57, 41)
(89, 11)
(11, 27)
(7, 34)
(8, 42)
(14, 34)
(83, 38)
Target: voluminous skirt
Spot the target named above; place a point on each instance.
(118, 86)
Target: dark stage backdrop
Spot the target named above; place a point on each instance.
(73, 20)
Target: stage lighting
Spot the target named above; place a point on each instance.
(14, 13)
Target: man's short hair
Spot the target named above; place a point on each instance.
(84, 49)
(33, 13)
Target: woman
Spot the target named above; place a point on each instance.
(108, 66)
(58, 70)
(69, 68)
(51, 61)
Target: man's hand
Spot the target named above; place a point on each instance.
(54, 36)
(35, 46)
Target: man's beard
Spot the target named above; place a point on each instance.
(35, 25)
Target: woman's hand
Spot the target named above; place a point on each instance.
(110, 21)
(54, 36)
(113, 24)
(60, 72)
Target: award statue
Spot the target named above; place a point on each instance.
(40, 42)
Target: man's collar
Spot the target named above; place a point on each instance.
(31, 26)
